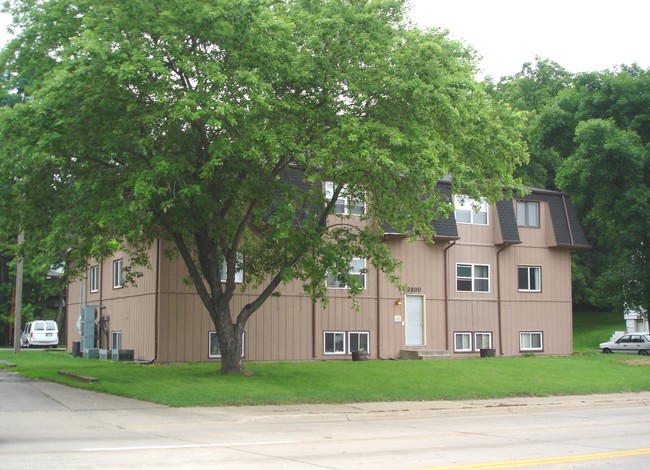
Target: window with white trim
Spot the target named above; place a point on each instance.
(239, 274)
(116, 339)
(472, 277)
(334, 342)
(482, 340)
(531, 341)
(528, 214)
(463, 342)
(117, 274)
(529, 278)
(94, 278)
(359, 341)
(345, 204)
(469, 211)
(357, 269)
(214, 351)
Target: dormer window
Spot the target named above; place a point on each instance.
(469, 211)
(528, 214)
(345, 204)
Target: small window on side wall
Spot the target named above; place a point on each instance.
(528, 214)
(94, 278)
(334, 342)
(117, 274)
(463, 342)
(357, 270)
(531, 341)
(359, 341)
(469, 211)
(529, 278)
(214, 351)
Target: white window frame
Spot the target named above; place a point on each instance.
(118, 280)
(335, 352)
(524, 214)
(333, 282)
(344, 204)
(212, 335)
(359, 334)
(466, 342)
(528, 270)
(478, 345)
(94, 278)
(526, 341)
(473, 278)
(239, 275)
(116, 337)
(466, 208)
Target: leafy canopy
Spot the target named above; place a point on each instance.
(214, 124)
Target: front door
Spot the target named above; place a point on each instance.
(414, 320)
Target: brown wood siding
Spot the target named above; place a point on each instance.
(131, 309)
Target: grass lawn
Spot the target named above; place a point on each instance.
(199, 384)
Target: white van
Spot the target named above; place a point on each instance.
(40, 333)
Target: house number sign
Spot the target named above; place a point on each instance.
(413, 289)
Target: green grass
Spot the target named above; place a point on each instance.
(200, 384)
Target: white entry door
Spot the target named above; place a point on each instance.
(414, 320)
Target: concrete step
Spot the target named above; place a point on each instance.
(422, 354)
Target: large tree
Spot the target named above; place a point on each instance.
(214, 124)
(601, 128)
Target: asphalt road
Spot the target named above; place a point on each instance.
(46, 425)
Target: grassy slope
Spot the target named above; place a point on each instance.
(337, 382)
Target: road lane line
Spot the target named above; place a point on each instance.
(186, 446)
(547, 460)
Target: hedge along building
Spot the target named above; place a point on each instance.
(497, 278)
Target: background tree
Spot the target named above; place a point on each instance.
(601, 128)
(530, 91)
(215, 124)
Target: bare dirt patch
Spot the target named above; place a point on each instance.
(644, 361)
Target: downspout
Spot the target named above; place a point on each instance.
(157, 303)
(506, 245)
(446, 288)
(378, 315)
(313, 329)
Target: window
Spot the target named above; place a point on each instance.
(469, 211)
(527, 214)
(359, 341)
(94, 278)
(473, 278)
(529, 278)
(357, 270)
(117, 274)
(462, 342)
(530, 341)
(334, 342)
(213, 345)
(116, 339)
(239, 275)
(482, 341)
(345, 204)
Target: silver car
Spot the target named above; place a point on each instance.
(631, 343)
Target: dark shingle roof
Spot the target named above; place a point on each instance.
(508, 222)
(566, 226)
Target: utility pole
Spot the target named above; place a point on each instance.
(19, 294)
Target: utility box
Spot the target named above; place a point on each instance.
(122, 354)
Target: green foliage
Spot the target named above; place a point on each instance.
(193, 120)
(344, 382)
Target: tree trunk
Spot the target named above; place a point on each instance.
(230, 345)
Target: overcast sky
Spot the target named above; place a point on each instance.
(580, 35)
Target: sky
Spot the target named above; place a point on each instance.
(580, 35)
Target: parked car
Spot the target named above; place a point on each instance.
(631, 343)
(40, 333)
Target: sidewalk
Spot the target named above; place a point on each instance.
(20, 394)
